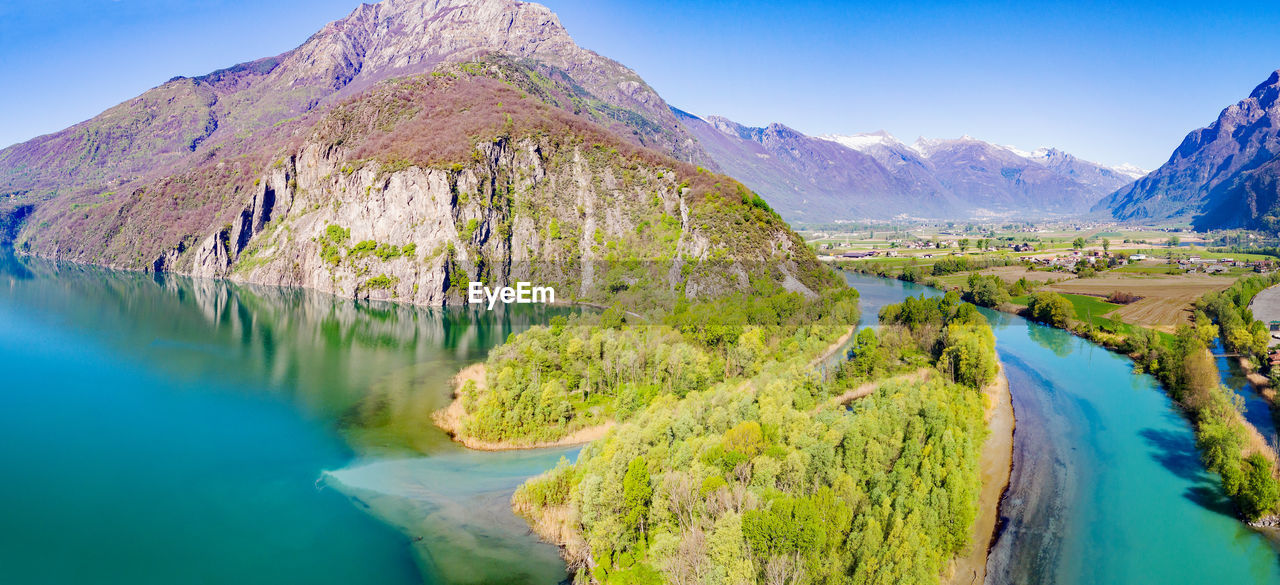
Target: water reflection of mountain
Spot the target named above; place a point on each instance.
(379, 367)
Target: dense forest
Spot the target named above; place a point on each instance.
(767, 477)
(551, 381)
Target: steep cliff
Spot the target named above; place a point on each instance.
(1223, 175)
(494, 171)
(181, 123)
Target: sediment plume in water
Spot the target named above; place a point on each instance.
(455, 509)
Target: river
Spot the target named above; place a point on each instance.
(1107, 485)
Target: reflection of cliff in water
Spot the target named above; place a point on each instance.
(379, 367)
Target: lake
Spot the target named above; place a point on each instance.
(159, 429)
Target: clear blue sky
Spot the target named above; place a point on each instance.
(1109, 82)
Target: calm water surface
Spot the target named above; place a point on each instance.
(165, 430)
(1107, 484)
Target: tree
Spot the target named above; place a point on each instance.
(1259, 493)
(964, 244)
(986, 291)
(1106, 245)
(1051, 308)
(637, 493)
(1078, 243)
(1174, 241)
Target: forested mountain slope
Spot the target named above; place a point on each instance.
(492, 170)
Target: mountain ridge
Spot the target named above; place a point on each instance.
(149, 136)
(1220, 176)
(875, 175)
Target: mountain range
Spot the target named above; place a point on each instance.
(812, 179)
(1224, 175)
(211, 145)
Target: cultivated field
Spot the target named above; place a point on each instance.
(1166, 300)
(1013, 273)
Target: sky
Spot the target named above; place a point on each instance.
(1108, 81)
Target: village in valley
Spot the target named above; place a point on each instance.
(1116, 277)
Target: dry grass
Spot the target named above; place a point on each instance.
(917, 377)
(1166, 300)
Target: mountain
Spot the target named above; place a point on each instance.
(999, 180)
(180, 122)
(877, 176)
(499, 164)
(1221, 176)
(809, 179)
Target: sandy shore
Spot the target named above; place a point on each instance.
(450, 418)
(868, 388)
(996, 465)
(835, 347)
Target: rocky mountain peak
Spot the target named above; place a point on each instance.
(1222, 175)
(162, 130)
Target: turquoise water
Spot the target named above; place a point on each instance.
(1256, 408)
(164, 430)
(1107, 484)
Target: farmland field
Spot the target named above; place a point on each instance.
(1166, 300)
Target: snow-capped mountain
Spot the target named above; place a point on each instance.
(807, 179)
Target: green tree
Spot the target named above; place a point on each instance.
(637, 493)
(1106, 245)
(1259, 493)
(1051, 308)
(964, 244)
(986, 290)
(1078, 243)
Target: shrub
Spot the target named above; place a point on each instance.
(1122, 298)
(1050, 308)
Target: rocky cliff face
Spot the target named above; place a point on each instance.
(480, 172)
(1223, 175)
(523, 210)
(177, 125)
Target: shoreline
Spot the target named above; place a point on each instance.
(996, 468)
(1254, 441)
(449, 420)
(834, 347)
